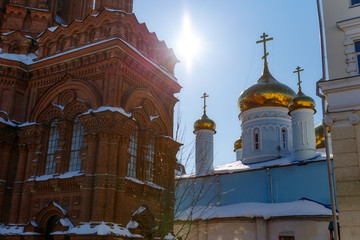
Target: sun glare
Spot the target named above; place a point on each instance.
(189, 44)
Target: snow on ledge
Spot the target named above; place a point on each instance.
(255, 209)
(108, 108)
(52, 176)
(101, 229)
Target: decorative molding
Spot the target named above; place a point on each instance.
(341, 119)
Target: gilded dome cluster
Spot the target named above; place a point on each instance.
(267, 91)
(204, 123)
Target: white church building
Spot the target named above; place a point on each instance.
(278, 186)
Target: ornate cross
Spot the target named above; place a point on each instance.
(264, 41)
(298, 70)
(204, 97)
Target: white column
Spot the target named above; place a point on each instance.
(204, 151)
(303, 133)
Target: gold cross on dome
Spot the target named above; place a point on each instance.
(204, 97)
(298, 70)
(265, 39)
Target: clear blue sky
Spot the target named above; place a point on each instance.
(230, 60)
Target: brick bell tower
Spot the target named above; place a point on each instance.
(86, 122)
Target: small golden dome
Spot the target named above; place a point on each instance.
(238, 144)
(204, 123)
(267, 91)
(319, 135)
(301, 101)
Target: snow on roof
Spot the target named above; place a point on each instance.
(5, 34)
(59, 106)
(108, 108)
(63, 211)
(101, 229)
(255, 209)
(26, 59)
(239, 166)
(146, 183)
(7, 122)
(51, 176)
(52, 29)
(28, 124)
(10, 230)
(29, 59)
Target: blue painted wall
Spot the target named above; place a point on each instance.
(289, 183)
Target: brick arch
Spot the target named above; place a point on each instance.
(158, 125)
(75, 108)
(53, 209)
(50, 113)
(81, 89)
(146, 222)
(135, 98)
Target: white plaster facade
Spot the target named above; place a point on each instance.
(299, 227)
(341, 28)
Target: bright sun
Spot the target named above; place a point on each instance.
(188, 45)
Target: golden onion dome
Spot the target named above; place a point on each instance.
(301, 101)
(319, 135)
(238, 144)
(204, 123)
(267, 91)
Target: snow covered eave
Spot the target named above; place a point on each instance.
(36, 61)
(238, 166)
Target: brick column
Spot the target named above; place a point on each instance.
(5, 151)
(18, 185)
(111, 178)
(98, 206)
(88, 164)
(345, 136)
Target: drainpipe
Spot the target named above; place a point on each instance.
(328, 161)
(219, 190)
(271, 184)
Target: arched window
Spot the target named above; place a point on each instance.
(50, 164)
(256, 139)
(150, 159)
(76, 143)
(131, 170)
(283, 138)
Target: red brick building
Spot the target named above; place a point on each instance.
(86, 119)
